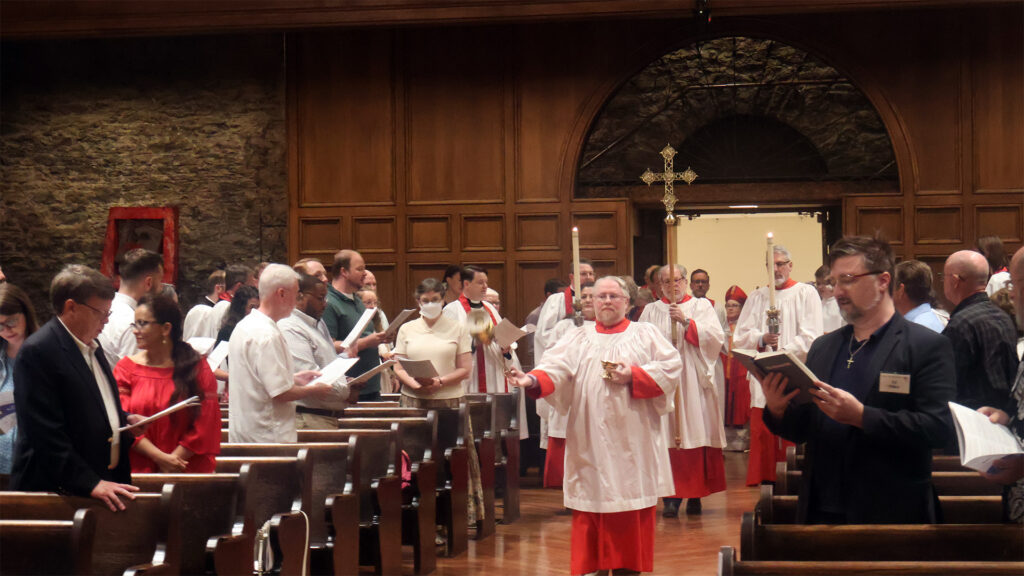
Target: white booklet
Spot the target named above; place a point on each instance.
(397, 322)
(187, 403)
(336, 370)
(418, 368)
(981, 442)
(218, 356)
(201, 344)
(371, 372)
(361, 324)
(505, 333)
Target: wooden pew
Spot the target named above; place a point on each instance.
(420, 515)
(505, 418)
(133, 540)
(880, 542)
(48, 546)
(268, 491)
(453, 484)
(946, 483)
(379, 486)
(481, 415)
(955, 509)
(729, 565)
(328, 497)
(206, 510)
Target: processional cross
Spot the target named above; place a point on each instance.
(669, 177)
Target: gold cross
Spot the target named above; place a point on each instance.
(669, 177)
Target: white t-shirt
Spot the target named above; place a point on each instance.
(441, 344)
(260, 370)
(117, 337)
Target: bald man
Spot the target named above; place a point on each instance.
(983, 336)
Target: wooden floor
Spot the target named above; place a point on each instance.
(538, 544)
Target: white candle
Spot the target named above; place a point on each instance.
(576, 261)
(771, 271)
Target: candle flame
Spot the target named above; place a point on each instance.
(575, 229)
(770, 235)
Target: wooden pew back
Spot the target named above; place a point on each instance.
(729, 565)
(48, 546)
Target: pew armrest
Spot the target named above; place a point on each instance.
(343, 529)
(230, 554)
(289, 540)
(150, 570)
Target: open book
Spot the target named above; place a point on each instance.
(187, 403)
(784, 362)
(981, 442)
(418, 368)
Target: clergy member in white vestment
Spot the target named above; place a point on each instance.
(197, 315)
(141, 273)
(799, 324)
(700, 283)
(489, 360)
(554, 460)
(831, 319)
(616, 460)
(557, 307)
(311, 348)
(208, 324)
(263, 386)
(698, 467)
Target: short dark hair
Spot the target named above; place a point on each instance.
(468, 273)
(138, 263)
(877, 253)
(587, 261)
(452, 270)
(822, 272)
(308, 282)
(700, 271)
(992, 248)
(342, 261)
(236, 274)
(78, 283)
(916, 277)
(216, 277)
(428, 285)
(13, 300)
(553, 285)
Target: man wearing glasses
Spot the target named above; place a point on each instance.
(870, 431)
(68, 406)
(800, 323)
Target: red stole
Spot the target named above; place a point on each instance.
(569, 311)
(481, 366)
(225, 296)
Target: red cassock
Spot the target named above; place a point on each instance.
(146, 390)
(766, 449)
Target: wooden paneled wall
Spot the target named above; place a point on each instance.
(430, 146)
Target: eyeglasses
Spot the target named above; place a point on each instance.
(608, 297)
(676, 281)
(12, 323)
(783, 263)
(98, 311)
(849, 279)
(141, 324)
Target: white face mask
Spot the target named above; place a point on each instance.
(430, 310)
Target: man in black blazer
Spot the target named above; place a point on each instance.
(67, 400)
(871, 430)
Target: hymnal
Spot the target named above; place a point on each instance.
(981, 441)
(785, 363)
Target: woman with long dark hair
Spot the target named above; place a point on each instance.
(17, 322)
(245, 299)
(165, 371)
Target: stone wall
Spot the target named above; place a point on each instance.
(197, 123)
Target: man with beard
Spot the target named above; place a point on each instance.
(871, 430)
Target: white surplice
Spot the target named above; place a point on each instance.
(831, 319)
(494, 363)
(702, 419)
(551, 313)
(799, 324)
(557, 422)
(615, 455)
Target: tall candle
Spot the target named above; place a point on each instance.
(576, 261)
(771, 271)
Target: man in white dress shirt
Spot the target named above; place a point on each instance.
(799, 324)
(695, 431)
(141, 273)
(264, 385)
(311, 348)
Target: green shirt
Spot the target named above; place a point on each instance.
(341, 315)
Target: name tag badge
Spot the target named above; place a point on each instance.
(894, 383)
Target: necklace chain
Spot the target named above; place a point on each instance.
(849, 361)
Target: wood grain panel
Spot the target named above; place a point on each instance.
(888, 220)
(483, 233)
(997, 74)
(420, 271)
(537, 232)
(344, 110)
(1004, 221)
(608, 268)
(320, 235)
(374, 234)
(938, 225)
(455, 103)
(429, 234)
(529, 282)
(598, 230)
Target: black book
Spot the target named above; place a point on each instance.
(785, 363)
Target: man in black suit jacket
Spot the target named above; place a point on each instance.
(871, 431)
(67, 400)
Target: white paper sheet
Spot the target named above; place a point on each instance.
(981, 442)
(201, 344)
(218, 356)
(193, 401)
(403, 317)
(418, 368)
(361, 324)
(335, 370)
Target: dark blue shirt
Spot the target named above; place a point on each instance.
(828, 484)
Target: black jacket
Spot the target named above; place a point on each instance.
(888, 462)
(63, 432)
